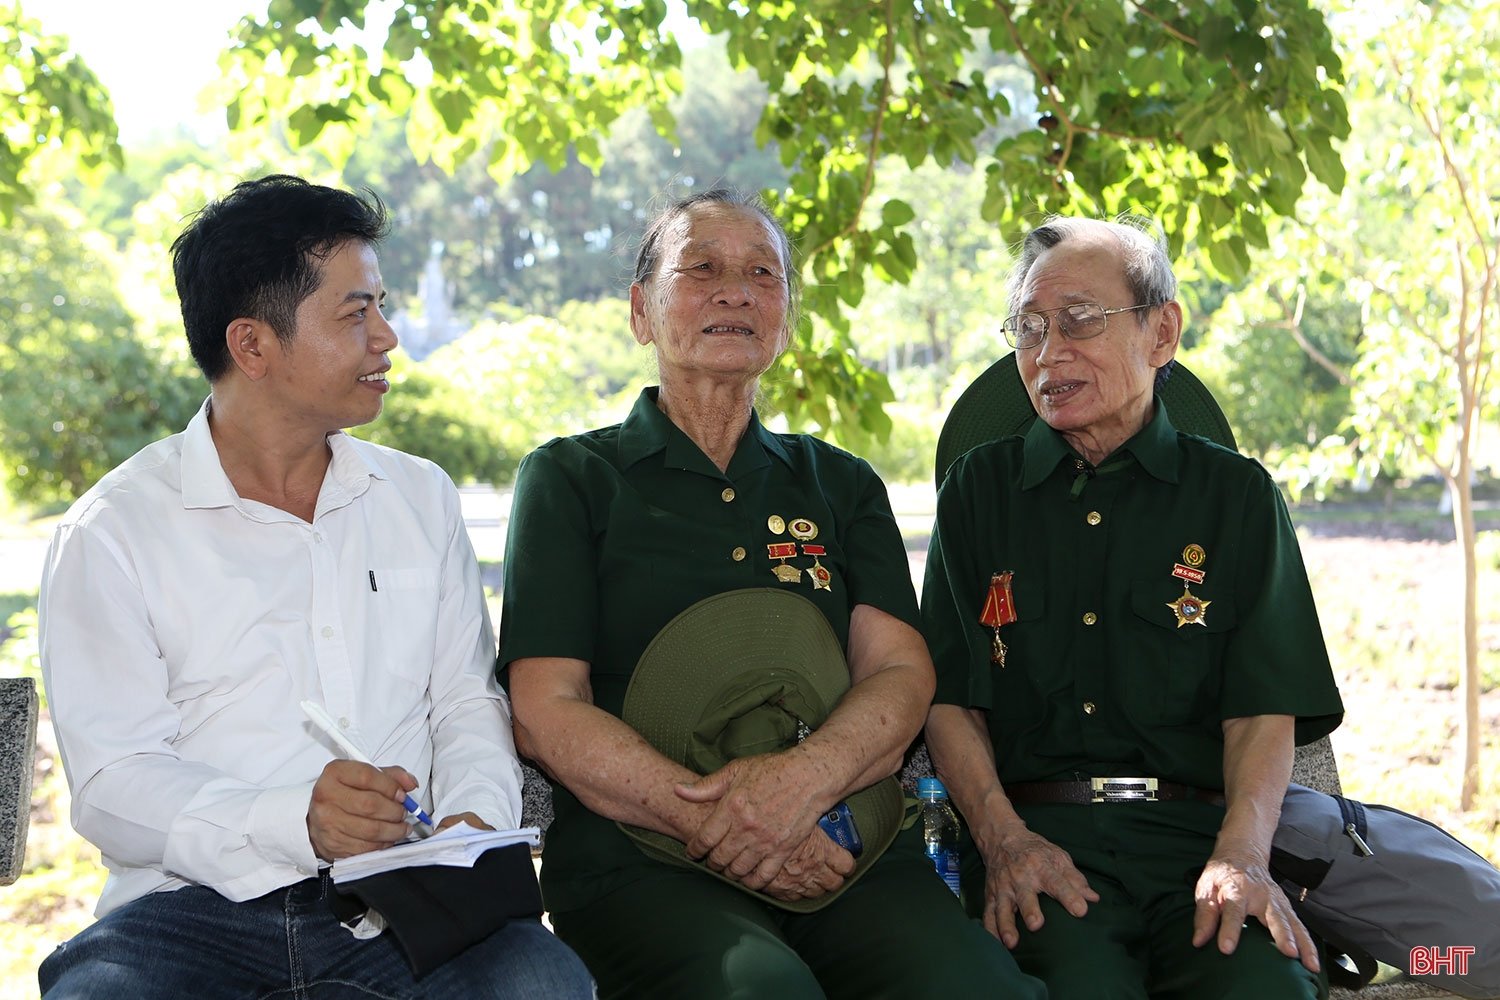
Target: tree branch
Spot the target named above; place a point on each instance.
(1293, 325)
(1428, 115)
(887, 59)
(1151, 16)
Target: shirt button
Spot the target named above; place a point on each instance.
(1094, 517)
(1088, 708)
(738, 555)
(1089, 618)
(328, 631)
(343, 722)
(728, 494)
(317, 536)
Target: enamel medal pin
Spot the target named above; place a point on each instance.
(1189, 608)
(999, 609)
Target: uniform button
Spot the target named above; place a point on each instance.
(1079, 464)
(1088, 708)
(1089, 618)
(1094, 517)
(738, 555)
(328, 631)
(728, 494)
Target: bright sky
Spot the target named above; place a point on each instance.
(154, 56)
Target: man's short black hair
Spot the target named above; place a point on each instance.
(258, 253)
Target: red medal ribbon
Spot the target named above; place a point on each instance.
(999, 604)
(781, 550)
(814, 550)
(1187, 573)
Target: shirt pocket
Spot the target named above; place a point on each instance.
(403, 622)
(1172, 673)
(1020, 688)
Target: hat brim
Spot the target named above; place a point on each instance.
(997, 405)
(704, 651)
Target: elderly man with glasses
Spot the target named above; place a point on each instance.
(1127, 651)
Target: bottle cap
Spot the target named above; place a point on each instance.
(931, 788)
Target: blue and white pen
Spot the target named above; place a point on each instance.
(324, 721)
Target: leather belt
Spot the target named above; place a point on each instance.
(1087, 791)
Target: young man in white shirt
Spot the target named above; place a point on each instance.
(199, 592)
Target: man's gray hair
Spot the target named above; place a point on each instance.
(1144, 258)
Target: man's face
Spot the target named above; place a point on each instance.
(331, 375)
(1097, 393)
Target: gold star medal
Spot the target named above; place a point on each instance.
(821, 578)
(999, 609)
(783, 551)
(1189, 610)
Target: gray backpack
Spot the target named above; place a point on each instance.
(1376, 883)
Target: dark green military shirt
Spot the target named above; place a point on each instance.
(614, 532)
(1100, 678)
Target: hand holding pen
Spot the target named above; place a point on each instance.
(356, 806)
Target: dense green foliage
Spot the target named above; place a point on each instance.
(49, 100)
(79, 390)
(1207, 115)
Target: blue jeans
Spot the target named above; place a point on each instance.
(287, 944)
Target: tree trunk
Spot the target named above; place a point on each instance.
(1463, 524)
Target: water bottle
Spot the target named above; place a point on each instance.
(939, 830)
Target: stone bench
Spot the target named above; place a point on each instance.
(18, 707)
(1314, 767)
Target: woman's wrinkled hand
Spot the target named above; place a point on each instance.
(764, 811)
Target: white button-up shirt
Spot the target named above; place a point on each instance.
(181, 625)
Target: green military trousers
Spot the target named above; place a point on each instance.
(898, 932)
(1143, 859)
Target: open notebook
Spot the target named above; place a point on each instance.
(458, 846)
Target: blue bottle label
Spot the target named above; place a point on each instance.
(945, 863)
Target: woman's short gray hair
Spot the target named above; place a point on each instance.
(648, 255)
(1144, 258)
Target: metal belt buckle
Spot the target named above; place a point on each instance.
(1122, 789)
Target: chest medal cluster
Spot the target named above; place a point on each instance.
(1189, 608)
(803, 531)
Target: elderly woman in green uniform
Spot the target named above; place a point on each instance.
(1127, 651)
(616, 531)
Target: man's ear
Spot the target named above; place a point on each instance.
(248, 341)
(640, 326)
(1168, 334)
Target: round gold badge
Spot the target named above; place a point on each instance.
(802, 529)
(1194, 555)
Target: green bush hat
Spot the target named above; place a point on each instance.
(997, 406)
(732, 676)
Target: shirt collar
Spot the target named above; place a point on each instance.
(205, 484)
(647, 431)
(1154, 447)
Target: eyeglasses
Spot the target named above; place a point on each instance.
(1079, 321)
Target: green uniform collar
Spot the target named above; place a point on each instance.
(1154, 447)
(647, 431)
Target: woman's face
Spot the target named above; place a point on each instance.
(717, 304)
